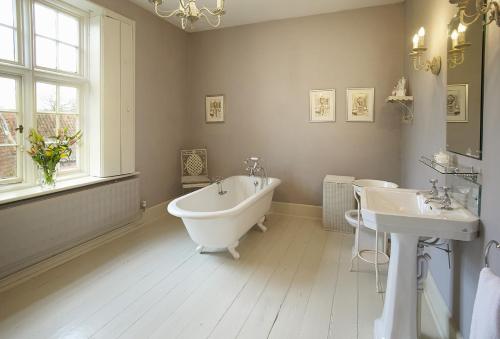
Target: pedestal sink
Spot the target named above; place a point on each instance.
(404, 214)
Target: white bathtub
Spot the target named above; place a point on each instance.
(216, 221)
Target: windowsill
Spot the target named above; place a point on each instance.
(61, 186)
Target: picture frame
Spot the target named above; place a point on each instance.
(360, 104)
(214, 108)
(322, 105)
(457, 103)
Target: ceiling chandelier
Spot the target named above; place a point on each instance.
(189, 12)
(488, 10)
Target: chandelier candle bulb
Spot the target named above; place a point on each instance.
(454, 39)
(415, 41)
(461, 34)
(421, 37)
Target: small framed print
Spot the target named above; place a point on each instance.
(360, 104)
(457, 102)
(214, 108)
(322, 105)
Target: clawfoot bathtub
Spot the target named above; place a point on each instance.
(217, 221)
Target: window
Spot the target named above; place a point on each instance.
(8, 30)
(57, 107)
(41, 81)
(46, 50)
(10, 155)
(57, 39)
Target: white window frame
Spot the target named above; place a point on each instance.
(25, 69)
(19, 115)
(19, 28)
(79, 113)
(64, 8)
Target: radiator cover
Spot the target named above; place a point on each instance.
(34, 230)
(338, 197)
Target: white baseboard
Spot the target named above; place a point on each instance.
(298, 210)
(29, 272)
(439, 310)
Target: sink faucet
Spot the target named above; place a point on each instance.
(444, 200)
(218, 181)
(433, 193)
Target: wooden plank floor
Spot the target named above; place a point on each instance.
(291, 282)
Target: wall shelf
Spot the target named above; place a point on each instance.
(406, 103)
(469, 173)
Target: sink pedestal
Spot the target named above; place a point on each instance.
(399, 317)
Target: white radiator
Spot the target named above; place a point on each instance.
(37, 229)
(337, 199)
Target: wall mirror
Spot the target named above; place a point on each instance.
(465, 88)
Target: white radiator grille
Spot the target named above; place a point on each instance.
(337, 199)
(35, 230)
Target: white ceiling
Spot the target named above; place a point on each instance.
(242, 12)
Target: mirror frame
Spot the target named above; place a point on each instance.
(481, 123)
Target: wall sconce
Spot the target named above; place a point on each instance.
(490, 9)
(456, 56)
(417, 55)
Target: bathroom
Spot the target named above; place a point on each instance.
(70, 269)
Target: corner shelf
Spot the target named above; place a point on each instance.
(404, 102)
(469, 173)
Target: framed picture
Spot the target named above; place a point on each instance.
(457, 102)
(322, 105)
(214, 108)
(360, 104)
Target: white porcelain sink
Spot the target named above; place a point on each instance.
(360, 184)
(404, 211)
(404, 214)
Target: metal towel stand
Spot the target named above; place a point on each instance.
(487, 251)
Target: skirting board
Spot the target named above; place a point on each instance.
(147, 216)
(439, 310)
(298, 210)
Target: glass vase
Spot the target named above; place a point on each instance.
(47, 176)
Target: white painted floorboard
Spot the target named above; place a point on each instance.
(292, 281)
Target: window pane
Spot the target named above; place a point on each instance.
(46, 124)
(71, 162)
(8, 94)
(69, 121)
(68, 58)
(45, 97)
(7, 12)
(45, 52)
(68, 99)
(8, 124)
(8, 162)
(68, 30)
(7, 43)
(45, 21)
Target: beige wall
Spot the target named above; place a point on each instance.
(266, 71)
(161, 87)
(428, 134)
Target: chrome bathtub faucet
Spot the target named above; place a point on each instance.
(254, 168)
(218, 181)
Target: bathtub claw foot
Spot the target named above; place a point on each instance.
(234, 252)
(262, 227)
(199, 249)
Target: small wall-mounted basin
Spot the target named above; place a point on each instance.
(405, 215)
